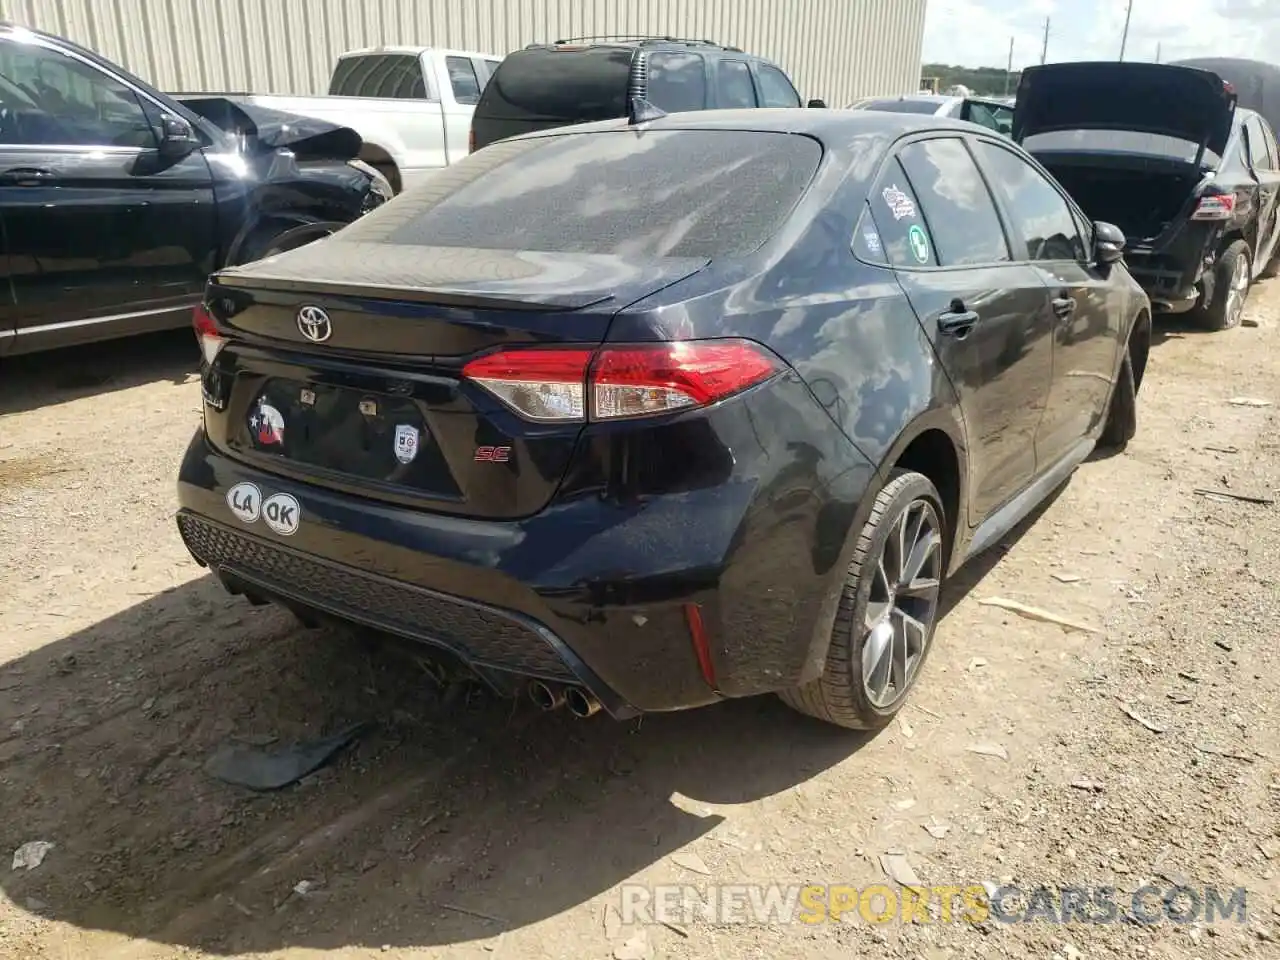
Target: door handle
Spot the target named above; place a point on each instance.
(957, 323)
(1064, 306)
(27, 176)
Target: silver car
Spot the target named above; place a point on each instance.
(994, 113)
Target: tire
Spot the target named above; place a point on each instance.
(1122, 416)
(842, 695)
(1231, 274)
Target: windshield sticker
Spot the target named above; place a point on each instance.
(900, 205)
(919, 242)
(872, 240)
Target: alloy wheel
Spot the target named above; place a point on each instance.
(902, 604)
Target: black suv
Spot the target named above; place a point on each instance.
(645, 422)
(1164, 153)
(595, 78)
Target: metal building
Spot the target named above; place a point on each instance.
(838, 50)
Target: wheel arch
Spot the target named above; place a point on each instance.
(934, 445)
(1140, 333)
(254, 237)
(381, 159)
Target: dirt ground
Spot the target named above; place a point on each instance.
(1147, 752)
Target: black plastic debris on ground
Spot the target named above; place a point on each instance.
(262, 768)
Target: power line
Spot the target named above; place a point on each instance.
(1124, 38)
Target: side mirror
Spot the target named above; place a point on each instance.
(1108, 242)
(177, 137)
(817, 104)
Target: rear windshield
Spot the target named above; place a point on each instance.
(1118, 141)
(668, 193)
(902, 106)
(559, 84)
(395, 76)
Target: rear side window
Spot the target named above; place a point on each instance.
(734, 89)
(668, 193)
(463, 79)
(902, 235)
(677, 81)
(962, 220)
(1258, 152)
(1037, 210)
(565, 86)
(775, 88)
(392, 76)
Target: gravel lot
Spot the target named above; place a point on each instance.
(1148, 751)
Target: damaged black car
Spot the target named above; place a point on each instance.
(117, 201)
(1165, 153)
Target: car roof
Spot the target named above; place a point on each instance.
(415, 52)
(631, 43)
(824, 125)
(938, 98)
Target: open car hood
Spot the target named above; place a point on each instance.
(1172, 101)
(265, 129)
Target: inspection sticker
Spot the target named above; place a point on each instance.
(919, 242)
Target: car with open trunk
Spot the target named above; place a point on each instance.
(1164, 153)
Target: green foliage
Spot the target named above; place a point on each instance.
(984, 81)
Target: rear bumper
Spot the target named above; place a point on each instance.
(590, 591)
(1172, 272)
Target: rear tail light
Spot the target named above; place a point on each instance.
(618, 382)
(1215, 207)
(207, 333)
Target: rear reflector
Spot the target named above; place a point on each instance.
(635, 380)
(1215, 207)
(211, 342)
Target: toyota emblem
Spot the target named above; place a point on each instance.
(314, 324)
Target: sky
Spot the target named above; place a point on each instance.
(975, 33)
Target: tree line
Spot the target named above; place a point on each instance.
(985, 81)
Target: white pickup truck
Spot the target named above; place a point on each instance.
(412, 106)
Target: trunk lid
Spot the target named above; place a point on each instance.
(1183, 102)
(354, 381)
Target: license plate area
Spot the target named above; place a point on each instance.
(360, 434)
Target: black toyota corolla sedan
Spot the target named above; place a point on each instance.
(117, 201)
(639, 416)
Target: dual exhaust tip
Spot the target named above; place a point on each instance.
(553, 696)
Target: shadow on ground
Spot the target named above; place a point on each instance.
(446, 824)
(39, 380)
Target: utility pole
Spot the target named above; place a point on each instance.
(1044, 50)
(1008, 70)
(1124, 38)
(1158, 46)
